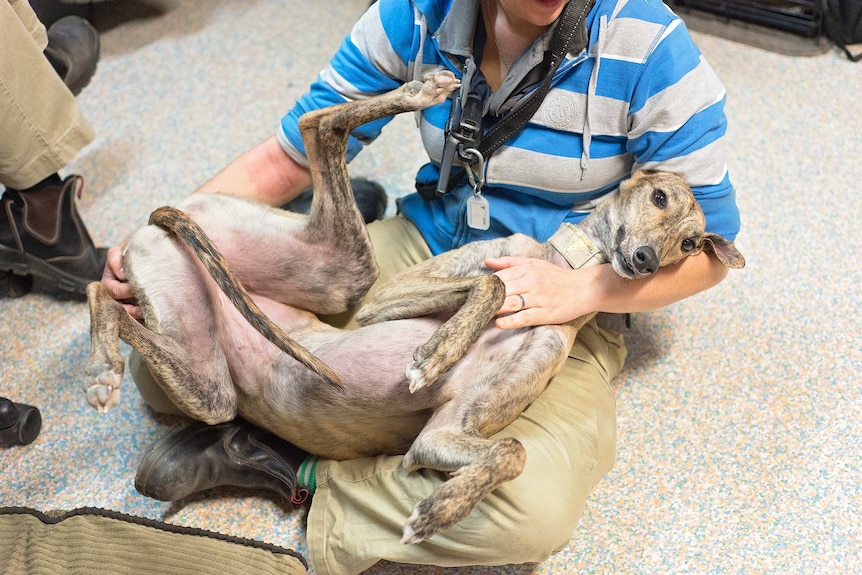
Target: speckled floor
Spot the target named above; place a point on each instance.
(740, 409)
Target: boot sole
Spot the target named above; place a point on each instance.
(23, 264)
(12, 285)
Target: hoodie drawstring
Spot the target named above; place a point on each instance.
(591, 92)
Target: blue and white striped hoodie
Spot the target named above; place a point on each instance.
(641, 95)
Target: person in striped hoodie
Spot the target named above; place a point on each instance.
(632, 91)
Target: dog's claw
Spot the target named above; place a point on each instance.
(103, 397)
(415, 379)
(434, 88)
(409, 535)
(421, 373)
(427, 367)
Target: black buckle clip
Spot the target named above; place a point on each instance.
(463, 131)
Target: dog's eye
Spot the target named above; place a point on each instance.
(659, 198)
(688, 245)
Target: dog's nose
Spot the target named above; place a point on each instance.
(644, 260)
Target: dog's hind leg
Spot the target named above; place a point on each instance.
(495, 392)
(181, 344)
(334, 220)
(201, 397)
(476, 301)
(103, 373)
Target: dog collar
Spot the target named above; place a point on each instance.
(574, 245)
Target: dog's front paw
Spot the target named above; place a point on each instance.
(421, 373)
(430, 362)
(102, 386)
(420, 525)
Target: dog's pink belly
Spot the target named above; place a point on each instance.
(374, 413)
(372, 362)
(250, 357)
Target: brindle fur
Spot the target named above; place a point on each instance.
(435, 318)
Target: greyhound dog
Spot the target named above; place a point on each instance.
(231, 290)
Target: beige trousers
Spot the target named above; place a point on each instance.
(41, 126)
(569, 433)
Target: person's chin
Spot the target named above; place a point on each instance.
(549, 8)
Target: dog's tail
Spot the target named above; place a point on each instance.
(179, 223)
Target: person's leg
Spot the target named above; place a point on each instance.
(569, 433)
(30, 20)
(41, 130)
(41, 126)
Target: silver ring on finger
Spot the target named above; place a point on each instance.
(523, 302)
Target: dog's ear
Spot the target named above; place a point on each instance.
(637, 176)
(724, 250)
(628, 184)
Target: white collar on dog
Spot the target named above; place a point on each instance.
(574, 245)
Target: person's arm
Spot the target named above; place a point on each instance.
(677, 123)
(555, 295)
(264, 173)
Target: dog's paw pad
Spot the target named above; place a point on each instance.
(103, 397)
(445, 80)
(101, 374)
(102, 386)
(438, 85)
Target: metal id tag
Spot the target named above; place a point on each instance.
(478, 212)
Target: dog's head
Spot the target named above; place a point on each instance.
(655, 222)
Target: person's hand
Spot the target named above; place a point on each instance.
(551, 295)
(117, 284)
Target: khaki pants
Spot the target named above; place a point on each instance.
(569, 433)
(41, 126)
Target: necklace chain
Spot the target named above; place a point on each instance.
(506, 62)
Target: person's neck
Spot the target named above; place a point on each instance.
(507, 38)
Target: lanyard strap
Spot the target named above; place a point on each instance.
(564, 40)
(570, 22)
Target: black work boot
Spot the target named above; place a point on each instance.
(41, 234)
(12, 285)
(204, 456)
(73, 50)
(370, 199)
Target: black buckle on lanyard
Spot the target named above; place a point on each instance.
(463, 131)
